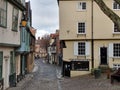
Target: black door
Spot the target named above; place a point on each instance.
(66, 68)
(103, 55)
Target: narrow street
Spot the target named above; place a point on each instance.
(48, 77)
(44, 77)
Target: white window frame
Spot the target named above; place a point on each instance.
(116, 49)
(78, 28)
(82, 50)
(111, 50)
(114, 30)
(118, 6)
(116, 66)
(87, 48)
(80, 7)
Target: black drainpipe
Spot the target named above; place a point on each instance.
(92, 41)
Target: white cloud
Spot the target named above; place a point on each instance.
(40, 33)
(27, 0)
(44, 16)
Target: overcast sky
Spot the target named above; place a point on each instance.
(44, 16)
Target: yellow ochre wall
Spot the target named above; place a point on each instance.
(103, 33)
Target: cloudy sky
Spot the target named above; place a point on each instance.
(44, 16)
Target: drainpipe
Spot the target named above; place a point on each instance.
(92, 41)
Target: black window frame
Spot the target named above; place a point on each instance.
(80, 65)
(116, 49)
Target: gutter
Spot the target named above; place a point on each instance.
(92, 38)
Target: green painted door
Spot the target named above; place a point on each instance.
(12, 77)
(12, 62)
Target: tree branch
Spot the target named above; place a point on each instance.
(107, 11)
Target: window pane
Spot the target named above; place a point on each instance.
(81, 48)
(116, 5)
(83, 5)
(3, 13)
(15, 19)
(116, 51)
(80, 65)
(81, 27)
(116, 28)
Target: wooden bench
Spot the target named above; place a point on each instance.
(115, 76)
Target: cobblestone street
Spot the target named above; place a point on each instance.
(47, 77)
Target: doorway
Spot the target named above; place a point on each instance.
(66, 68)
(103, 55)
(6, 77)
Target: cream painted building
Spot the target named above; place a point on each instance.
(91, 38)
(10, 18)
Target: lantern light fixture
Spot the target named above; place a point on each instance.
(23, 21)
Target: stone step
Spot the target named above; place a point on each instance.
(104, 68)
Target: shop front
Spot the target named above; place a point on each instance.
(75, 67)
